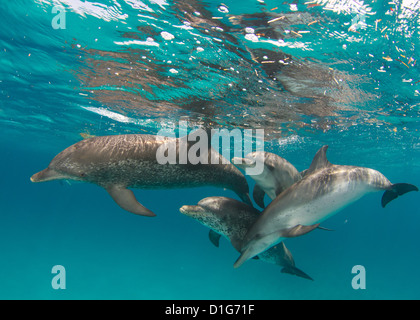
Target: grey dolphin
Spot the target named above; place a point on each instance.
(325, 189)
(232, 219)
(277, 176)
(130, 161)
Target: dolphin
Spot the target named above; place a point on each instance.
(231, 218)
(325, 190)
(130, 161)
(278, 174)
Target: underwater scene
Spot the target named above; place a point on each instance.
(323, 97)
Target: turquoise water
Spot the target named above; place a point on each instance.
(342, 73)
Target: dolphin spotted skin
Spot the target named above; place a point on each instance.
(130, 161)
(232, 219)
(277, 176)
(325, 190)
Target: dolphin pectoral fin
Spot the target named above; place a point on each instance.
(396, 190)
(125, 199)
(258, 196)
(295, 271)
(214, 238)
(298, 230)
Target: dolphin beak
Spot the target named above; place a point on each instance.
(191, 211)
(46, 175)
(243, 162)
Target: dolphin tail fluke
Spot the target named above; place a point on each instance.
(295, 271)
(125, 199)
(396, 190)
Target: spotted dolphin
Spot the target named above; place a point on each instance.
(277, 175)
(231, 218)
(325, 190)
(119, 162)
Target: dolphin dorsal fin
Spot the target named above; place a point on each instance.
(320, 161)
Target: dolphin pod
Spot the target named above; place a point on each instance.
(325, 189)
(300, 201)
(130, 161)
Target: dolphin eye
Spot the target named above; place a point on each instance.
(83, 174)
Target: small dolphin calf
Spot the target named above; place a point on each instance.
(277, 176)
(232, 219)
(325, 189)
(130, 161)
